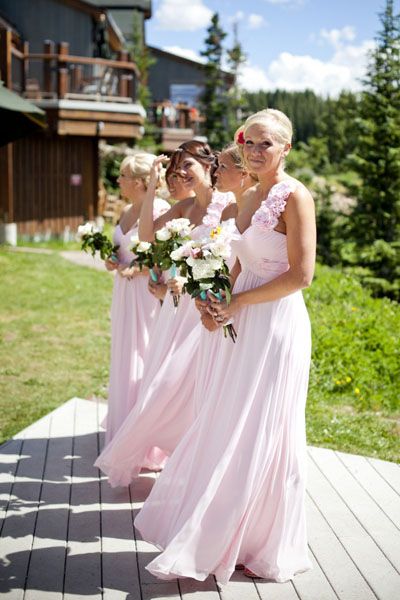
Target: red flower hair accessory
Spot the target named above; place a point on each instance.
(240, 138)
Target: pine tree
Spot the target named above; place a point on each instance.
(375, 222)
(214, 100)
(377, 157)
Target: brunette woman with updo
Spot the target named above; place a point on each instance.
(164, 409)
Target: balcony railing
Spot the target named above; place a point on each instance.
(167, 115)
(56, 75)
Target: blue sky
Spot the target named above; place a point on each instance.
(290, 44)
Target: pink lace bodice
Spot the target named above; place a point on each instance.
(212, 218)
(261, 249)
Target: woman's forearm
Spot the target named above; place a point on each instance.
(146, 220)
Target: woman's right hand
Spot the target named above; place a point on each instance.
(175, 285)
(155, 170)
(208, 322)
(157, 288)
(111, 265)
(201, 305)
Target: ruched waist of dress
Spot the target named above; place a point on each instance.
(265, 269)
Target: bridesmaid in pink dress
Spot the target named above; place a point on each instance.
(231, 176)
(133, 309)
(164, 407)
(233, 491)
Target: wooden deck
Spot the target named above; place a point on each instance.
(65, 534)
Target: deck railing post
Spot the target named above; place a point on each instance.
(5, 57)
(48, 48)
(63, 84)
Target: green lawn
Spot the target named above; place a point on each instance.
(54, 344)
(54, 335)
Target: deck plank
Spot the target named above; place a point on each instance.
(46, 569)
(389, 471)
(238, 588)
(192, 590)
(20, 521)
(83, 571)
(375, 486)
(374, 566)
(364, 508)
(10, 459)
(63, 520)
(338, 566)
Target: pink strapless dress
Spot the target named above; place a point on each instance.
(133, 312)
(164, 409)
(233, 490)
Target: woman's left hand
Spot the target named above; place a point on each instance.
(129, 272)
(221, 311)
(175, 285)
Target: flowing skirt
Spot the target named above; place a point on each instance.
(233, 491)
(164, 410)
(133, 312)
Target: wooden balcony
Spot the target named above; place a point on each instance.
(177, 123)
(81, 95)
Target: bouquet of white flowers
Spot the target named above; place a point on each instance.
(207, 270)
(94, 240)
(168, 239)
(144, 252)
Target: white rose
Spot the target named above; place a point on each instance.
(177, 254)
(179, 226)
(163, 234)
(143, 247)
(205, 268)
(220, 249)
(86, 229)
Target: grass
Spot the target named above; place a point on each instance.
(54, 335)
(353, 402)
(54, 344)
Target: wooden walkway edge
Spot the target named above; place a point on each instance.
(65, 534)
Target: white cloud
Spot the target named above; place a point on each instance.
(185, 52)
(238, 16)
(287, 2)
(253, 78)
(300, 72)
(180, 15)
(255, 21)
(336, 37)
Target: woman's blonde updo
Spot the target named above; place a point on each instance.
(139, 165)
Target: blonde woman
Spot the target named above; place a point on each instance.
(133, 308)
(233, 491)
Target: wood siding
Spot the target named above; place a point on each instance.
(45, 200)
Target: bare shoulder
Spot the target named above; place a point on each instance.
(300, 198)
(300, 191)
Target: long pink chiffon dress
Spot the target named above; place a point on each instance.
(233, 490)
(133, 312)
(164, 407)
